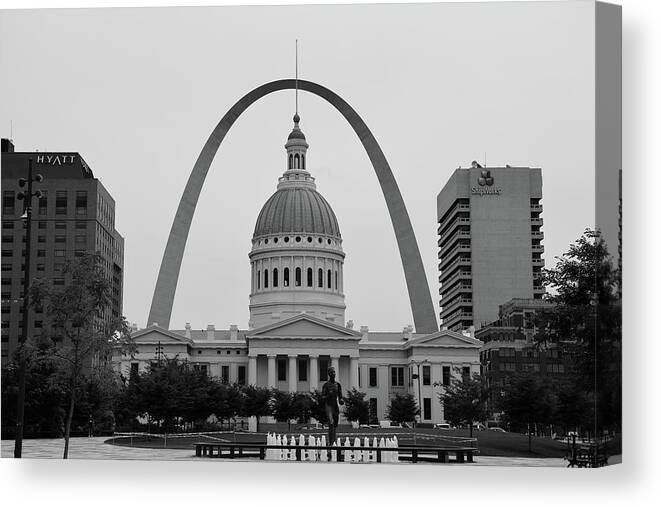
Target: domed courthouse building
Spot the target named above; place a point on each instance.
(297, 325)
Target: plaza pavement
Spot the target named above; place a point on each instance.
(96, 448)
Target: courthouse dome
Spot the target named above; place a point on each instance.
(296, 210)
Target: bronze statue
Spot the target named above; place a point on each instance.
(332, 395)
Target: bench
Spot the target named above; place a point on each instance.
(587, 458)
(233, 450)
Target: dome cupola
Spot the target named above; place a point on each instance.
(296, 256)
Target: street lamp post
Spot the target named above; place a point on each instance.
(22, 363)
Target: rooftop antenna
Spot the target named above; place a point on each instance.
(296, 76)
(485, 159)
(11, 130)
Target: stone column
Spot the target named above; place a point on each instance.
(293, 377)
(252, 370)
(270, 375)
(353, 373)
(314, 373)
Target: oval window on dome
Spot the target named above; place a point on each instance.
(329, 241)
(320, 240)
(298, 239)
(309, 239)
(275, 240)
(287, 239)
(266, 241)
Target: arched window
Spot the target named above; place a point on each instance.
(259, 285)
(275, 277)
(297, 162)
(266, 278)
(298, 277)
(329, 279)
(302, 161)
(291, 161)
(337, 287)
(320, 277)
(310, 277)
(285, 279)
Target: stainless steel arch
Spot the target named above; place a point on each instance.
(421, 303)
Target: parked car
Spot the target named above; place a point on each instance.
(498, 429)
(442, 426)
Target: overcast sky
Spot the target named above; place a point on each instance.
(138, 91)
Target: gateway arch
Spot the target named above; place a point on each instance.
(422, 307)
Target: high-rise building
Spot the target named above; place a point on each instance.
(75, 215)
(490, 242)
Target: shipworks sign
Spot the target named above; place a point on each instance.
(485, 185)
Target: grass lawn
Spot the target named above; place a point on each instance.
(489, 443)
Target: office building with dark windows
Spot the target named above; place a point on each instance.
(490, 242)
(75, 215)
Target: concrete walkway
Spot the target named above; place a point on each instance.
(96, 448)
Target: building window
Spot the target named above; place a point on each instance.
(266, 278)
(80, 239)
(336, 285)
(298, 277)
(42, 253)
(7, 253)
(225, 374)
(426, 408)
(41, 239)
(81, 202)
(320, 278)
(426, 375)
(373, 377)
(302, 370)
(61, 202)
(397, 376)
(60, 225)
(58, 253)
(7, 238)
(259, 285)
(329, 279)
(242, 375)
(275, 277)
(60, 238)
(6, 266)
(81, 224)
(43, 203)
(323, 370)
(7, 224)
(8, 202)
(466, 373)
(285, 278)
(58, 281)
(134, 369)
(282, 370)
(309, 277)
(446, 375)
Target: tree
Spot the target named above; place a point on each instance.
(256, 402)
(402, 408)
(528, 399)
(586, 323)
(317, 409)
(464, 401)
(355, 407)
(282, 407)
(225, 400)
(302, 404)
(82, 338)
